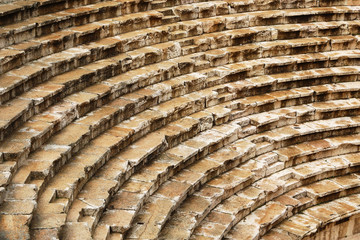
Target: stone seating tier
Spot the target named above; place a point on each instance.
(137, 119)
(21, 174)
(60, 55)
(281, 181)
(318, 218)
(158, 175)
(101, 122)
(78, 104)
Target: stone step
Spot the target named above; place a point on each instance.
(303, 96)
(18, 11)
(125, 122)
(226, 183)
(289, 178)
(181, 160)
(111, 46)
(21, 10)
(195, 207)
(69, 58)
(152, 229)
(81, 102)
(165, 11)
(65, 74)
(99, 122)
(152, 176)
(82, 27)
(333, 212)
(159, 4)
(137, 126)
(55, 90)
(130, 159)
(21, 53)
(49, 23)
(175, 132)
(86, 96)
(269, 120)
(79, 32)
(90, 13)
(66, 183)
(269, 215)
(285, 136)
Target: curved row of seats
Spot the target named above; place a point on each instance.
(312, 164)
(44, 92)
(99, 52)
(209, 166)
(19, 80)
(141, 116)
(150, 95)
(126, 153)
(75, 108)
(149, 172)
(158, 176)
(153, 119)
(47, 23)
(339, 215)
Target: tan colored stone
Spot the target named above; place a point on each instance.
(276, 235)
(13, 109)
(49, 220)
(76, 231)
(173, 190)
(118, 220)
(219, 217)
(136, 187)
(22, 192)
(39, 234)
(15, 226)
(235, 204)
(195, 204)
(97, 189)
(210, 229)
(324, 187)
(125, 200)
(70, 135)
(189, 177)
(244, 231)
(156, 212)
(181, 220)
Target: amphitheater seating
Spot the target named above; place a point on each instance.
(282, 179)
(333, 213)
(172, 119)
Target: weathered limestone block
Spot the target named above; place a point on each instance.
(15, 226)
(118, 220)
(187, 12)
(78, 230)
(106, 104)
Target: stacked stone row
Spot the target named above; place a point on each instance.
(134, 119)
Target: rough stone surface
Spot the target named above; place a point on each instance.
(179, 119)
